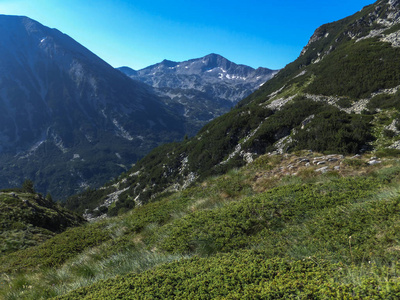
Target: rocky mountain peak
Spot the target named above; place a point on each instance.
(168, 63)
(203, 88)
(374, 20)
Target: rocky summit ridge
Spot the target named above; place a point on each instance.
(203, 88)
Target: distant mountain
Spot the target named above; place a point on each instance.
(203, 88)
(68, 120)
(342, 95)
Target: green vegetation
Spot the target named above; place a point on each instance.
(247, 275)
(357, 69)
(232, 236)
(335, 71)
(300, 225)
(336, 132)
(27, 219)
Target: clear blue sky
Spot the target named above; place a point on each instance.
(139, 33)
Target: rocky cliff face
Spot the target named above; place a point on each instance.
(66, 115)
(204, 88)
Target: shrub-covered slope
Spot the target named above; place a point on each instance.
(340, 96)
(277, 228)
(27, 219)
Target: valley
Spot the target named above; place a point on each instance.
(292, 192)
(70, 121)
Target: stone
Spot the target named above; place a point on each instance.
(322, 170)
(374, 162)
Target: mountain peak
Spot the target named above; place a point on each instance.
(59, 96)
(204, 74)
(168, 63)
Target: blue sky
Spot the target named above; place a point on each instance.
(140, 33)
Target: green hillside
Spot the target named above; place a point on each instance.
(340, 96)
(276, 228)
(27, 218)
(294, 194)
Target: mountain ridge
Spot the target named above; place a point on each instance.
(63, 106)
(248, 208)
(201, 89)
(337, 97)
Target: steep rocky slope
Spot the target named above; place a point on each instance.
(340, 96)
(69, 120)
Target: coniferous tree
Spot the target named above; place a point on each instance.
(27, 186)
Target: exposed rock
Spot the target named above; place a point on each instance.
(247, 156)
(357, 107)
(238, 148)
(393, 38)
(113, 197)
(306, 121)
(201, 89)
(395, 145)
(304, 160)
(318, 34)
(279, 103)
(282, 145)
(393, 127)
(374, 162)
(322, 170)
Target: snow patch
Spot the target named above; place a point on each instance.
(236, 77)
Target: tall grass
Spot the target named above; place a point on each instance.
(84, 270)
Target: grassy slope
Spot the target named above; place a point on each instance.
(254, 231)
(27, 219)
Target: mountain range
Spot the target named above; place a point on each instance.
(340, 96)
(70, 121)
(201, 89)
(292, 194)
